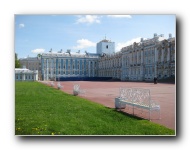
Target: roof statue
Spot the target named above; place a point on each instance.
(86, 52)
(60, 51)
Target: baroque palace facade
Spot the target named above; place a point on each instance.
(148, 59)
(141, 61)
(63, 65)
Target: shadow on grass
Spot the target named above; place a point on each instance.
(134, 116)
(126, 113)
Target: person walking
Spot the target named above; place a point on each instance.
(155, 80)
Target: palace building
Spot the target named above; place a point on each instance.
(149, 58)
(141, 61)
(62, 65)
(110, 65)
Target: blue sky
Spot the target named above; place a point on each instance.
(39, 33)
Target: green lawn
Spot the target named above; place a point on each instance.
(43, 110)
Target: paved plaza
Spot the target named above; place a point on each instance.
(105, 93)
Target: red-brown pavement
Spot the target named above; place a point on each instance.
(106, 92)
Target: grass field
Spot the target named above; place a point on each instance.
(43, 110)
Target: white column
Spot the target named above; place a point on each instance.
(47, 69)
(142, 63)
(93, 68)
(23, 76)
(155, 61)
(137, 57)
(129, 72)
(168, 59)
(51, 68)
(168, 55)
(162, 55)
(141, 56)
(43, 70)
(89, 68)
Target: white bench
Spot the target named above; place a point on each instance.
(77, 90)
(59, 86)
(52, 83)
(137, 98)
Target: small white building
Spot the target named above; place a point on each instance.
(23, 74)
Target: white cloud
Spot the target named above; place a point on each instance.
(120, 16)
(37, 51)
(84, 43)
(124, 44)
(21, 25)
(89, 19)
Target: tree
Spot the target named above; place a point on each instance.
(17, 63)
(39, 56)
